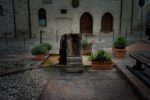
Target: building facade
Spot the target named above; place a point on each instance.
(6, 17)
(77, 16)
(86, 18)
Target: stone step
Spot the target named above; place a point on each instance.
(74, 59)
(74, 70)
(74, 63)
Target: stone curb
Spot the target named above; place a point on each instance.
(23, 69)
(141, 88)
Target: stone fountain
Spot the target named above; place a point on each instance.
(70, 52)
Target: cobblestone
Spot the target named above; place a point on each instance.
(28, 84)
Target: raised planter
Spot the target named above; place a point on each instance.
(102, 65)
(50, 60)
(119, 53)
(86, 51)
(38, 57)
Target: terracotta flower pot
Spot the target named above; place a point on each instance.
(46, 53)
(86, 51)
(38, 57)
(119, 53)
(102, 65)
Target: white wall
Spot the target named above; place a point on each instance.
(95, 7)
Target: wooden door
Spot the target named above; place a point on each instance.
(107, 23)
(86, 23)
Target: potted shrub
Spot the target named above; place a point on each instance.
(119, 46)
(39, 52)
(101, 60)
(86, 47)
(48, 46)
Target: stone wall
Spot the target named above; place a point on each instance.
(126, 21)
(59, 22)
(21, 9)
(70, 22)
(6, 19)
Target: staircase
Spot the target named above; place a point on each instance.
(74, 64)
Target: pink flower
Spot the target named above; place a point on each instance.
(92, 42)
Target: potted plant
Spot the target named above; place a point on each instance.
(86, 47)
(48, 46)
(39, 52)
(119, 46)
(101, 60)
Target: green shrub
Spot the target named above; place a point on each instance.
(85, 43)
(100, 56)
(120, 42)
(47, 45)
(39, 49)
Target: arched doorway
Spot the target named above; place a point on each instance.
(107, 23)
(86, 23)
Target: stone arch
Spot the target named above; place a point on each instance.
(42, 17)
(86, 23)
(107, 23)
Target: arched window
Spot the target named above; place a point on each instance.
(1, 10)
(42, 18)
(107, 23)
(86, 23)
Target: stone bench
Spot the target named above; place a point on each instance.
(142, 72)
(140, 59)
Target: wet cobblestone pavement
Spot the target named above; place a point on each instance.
(54, 84)
(27, 85)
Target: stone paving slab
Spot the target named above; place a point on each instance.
(91, 85)
(139, 46)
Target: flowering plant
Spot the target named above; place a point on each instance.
(92, 42)
(100, 56)
(85, 43)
